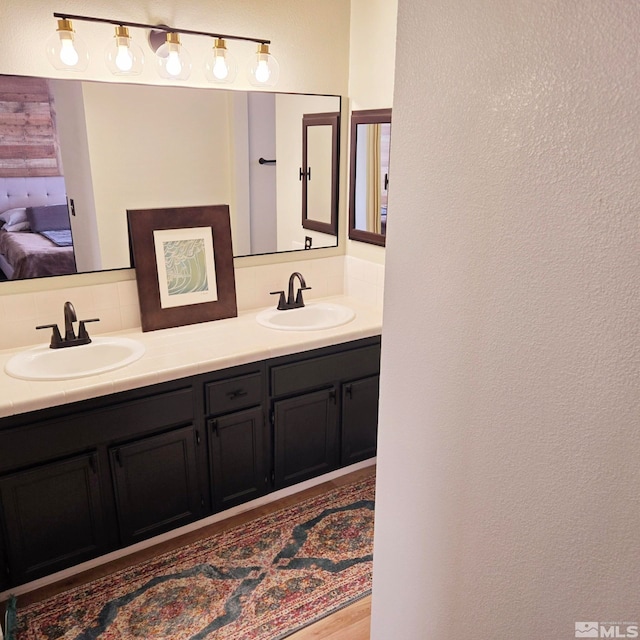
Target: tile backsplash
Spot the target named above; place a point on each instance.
(116, 304)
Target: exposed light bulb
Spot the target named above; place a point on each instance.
(262, 71)
(174, 62)
(220, 68)
(174, 66)
(220, 65)
(68, 54)
(65, 50)
(124, 58)
(264, 68)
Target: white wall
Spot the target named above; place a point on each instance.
(160, 157)
(74, 149)
(372, 53)
(508, 472)
(261, 116)
(371, 76)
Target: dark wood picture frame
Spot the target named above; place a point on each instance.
(142, 225)
(370, 116)
(315, 120)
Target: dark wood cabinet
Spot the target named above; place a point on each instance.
(238, 446)
(359, 419)
(237, 457)
(83, 479)
(5, 577)
(306, 436)
(53, 517)
(156, 487)
(324, 409)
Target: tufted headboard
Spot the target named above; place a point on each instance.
(31, 192)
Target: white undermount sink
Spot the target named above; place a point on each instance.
(99, 356)
(311, 317)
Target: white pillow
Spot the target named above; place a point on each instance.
(18, 226)
(13, 216)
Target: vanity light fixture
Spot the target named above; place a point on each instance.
(264, 69)
(123, 57)
(65, 49)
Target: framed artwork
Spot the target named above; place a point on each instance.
(184, 265)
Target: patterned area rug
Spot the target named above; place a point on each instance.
(263, 580)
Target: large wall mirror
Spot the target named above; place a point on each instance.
(369, 175)
(126, 146)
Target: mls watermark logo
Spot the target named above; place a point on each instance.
(587, 630)
(606, 630)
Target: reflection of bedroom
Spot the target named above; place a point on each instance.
(35, 230)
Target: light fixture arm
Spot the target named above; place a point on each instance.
(122, 23)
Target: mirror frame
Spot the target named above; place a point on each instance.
(315, 120)
(369, 116)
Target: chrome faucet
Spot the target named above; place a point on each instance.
(70, 338)
(292, 301)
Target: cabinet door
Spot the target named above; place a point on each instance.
(156, 484)
(359, 419)
(306, 437)
(237, 457)
(53, 517)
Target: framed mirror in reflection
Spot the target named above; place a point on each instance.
(319, 171)
(369, 175)
(108, 147)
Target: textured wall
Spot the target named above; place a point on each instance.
(508, 477)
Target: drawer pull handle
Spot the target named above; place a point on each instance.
(237, 393)
(349, 391)
(118, 458)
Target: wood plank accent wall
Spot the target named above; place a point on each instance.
(28, 139)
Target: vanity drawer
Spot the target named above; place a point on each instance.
(225, 396)
(325, 370)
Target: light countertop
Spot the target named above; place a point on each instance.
(185, 351)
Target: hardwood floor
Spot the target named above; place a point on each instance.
(350, 623)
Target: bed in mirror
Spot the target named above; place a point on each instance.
(120, 146)
(369, 175)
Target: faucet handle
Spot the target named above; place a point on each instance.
(282, 303)
(56, 338)
(82, 330)
(299, 300)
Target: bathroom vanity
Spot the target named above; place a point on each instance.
(87, 477)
